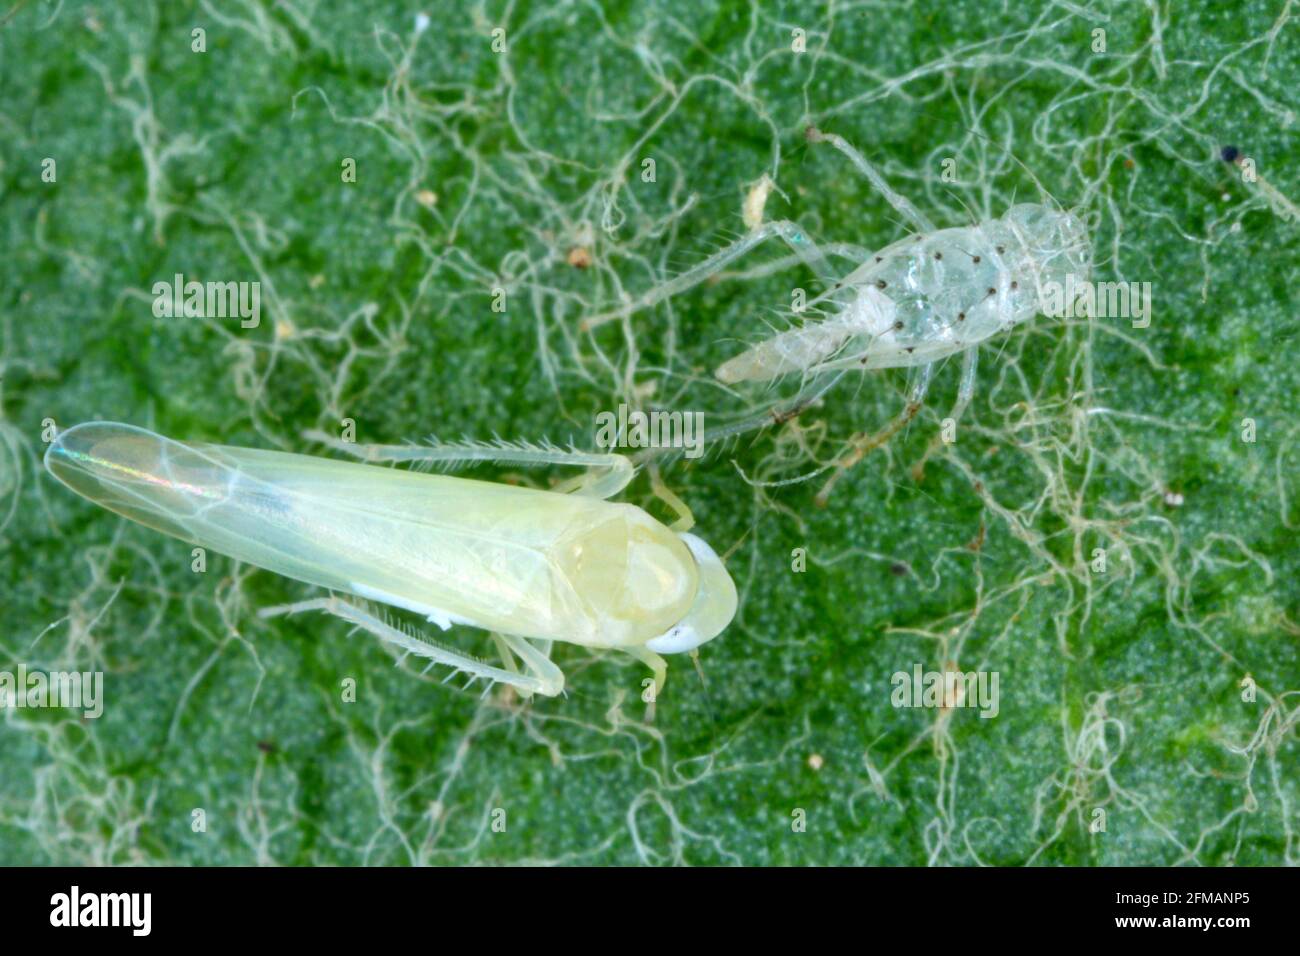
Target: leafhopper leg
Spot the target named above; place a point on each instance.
(608, 474)
(527, 684)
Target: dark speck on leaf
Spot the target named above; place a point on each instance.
(1230, 154)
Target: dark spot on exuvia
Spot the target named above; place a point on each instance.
(863, 360)
(961, 316)
(938, 255)
(975, 259)
(898, 326)
(1015, 285)
(992, 291)
(839, 285)
(880, 283)
(1001, 250)
(1230, 154)
(910, 349)
(879, 259)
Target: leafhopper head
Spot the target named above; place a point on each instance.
(712, 610)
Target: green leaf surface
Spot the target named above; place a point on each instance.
(1123, 694)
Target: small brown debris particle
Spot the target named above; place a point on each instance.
(579, 257)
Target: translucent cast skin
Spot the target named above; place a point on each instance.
(526, 563)
(929, 296)
(938, 293)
